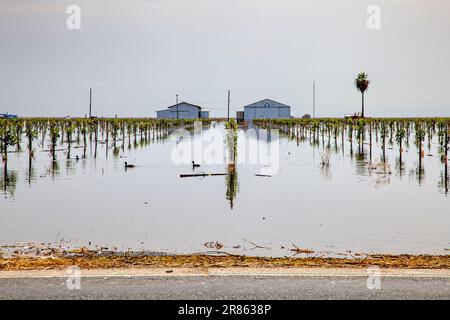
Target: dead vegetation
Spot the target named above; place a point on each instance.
(92, 260)
(298, 250)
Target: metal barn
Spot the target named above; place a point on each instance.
(267, 109)
(183, 110)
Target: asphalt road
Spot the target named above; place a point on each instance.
(225, 287)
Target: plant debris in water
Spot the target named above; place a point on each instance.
(34, 256)
(95, 261)
(298, 250)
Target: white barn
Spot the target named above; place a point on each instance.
(183, 110)
(267, 109)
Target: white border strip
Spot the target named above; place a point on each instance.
(197, 272)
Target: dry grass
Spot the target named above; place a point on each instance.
(92, 261)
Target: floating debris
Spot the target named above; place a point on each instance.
(203, 175)
(298, 250)
(255, 246)
(213, 245)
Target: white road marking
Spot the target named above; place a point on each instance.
(256, 272)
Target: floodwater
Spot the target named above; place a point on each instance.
(336, 209)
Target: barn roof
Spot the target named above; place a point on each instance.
(189, 104)
(267, 101)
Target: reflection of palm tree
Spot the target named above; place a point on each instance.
(232, 184)
(362, 83)
(231, 178)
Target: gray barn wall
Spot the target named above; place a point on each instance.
(266, 110)
(185, 111)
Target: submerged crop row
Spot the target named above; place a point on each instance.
(12, 131)
(365, 130)
(371, 137)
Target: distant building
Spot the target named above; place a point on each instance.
(7, 116)
(356, 115)
(267, 109)
(240, 116)
(183, 110)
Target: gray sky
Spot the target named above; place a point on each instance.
(138, 54)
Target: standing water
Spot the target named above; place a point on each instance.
(330, 195)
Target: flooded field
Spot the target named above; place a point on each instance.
(327, 197)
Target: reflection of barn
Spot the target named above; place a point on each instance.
(183, 110)
(266, 109)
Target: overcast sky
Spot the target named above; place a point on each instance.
(138, 54)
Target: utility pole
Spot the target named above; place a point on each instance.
(177, 106)
(90, 103)
(314, 99)
(228, 105)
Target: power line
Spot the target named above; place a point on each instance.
(43, 90)
(160, 104)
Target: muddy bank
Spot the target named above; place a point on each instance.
(94, 261)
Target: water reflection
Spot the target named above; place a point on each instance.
(232, 177)
(53, 169)
(400, 166)
(8, 182)
(368, 148)
(443, 183)
(31, 174)
(232, 184)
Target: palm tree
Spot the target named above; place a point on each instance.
(362, 83)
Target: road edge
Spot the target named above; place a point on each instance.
(236, 271)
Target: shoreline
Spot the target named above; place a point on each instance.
(199, 262)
